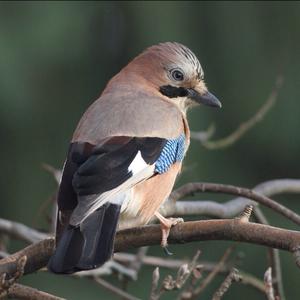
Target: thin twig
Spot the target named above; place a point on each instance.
(252, 281)
(21, 231)
(269, 284)
(150, 260)
(113, 289)
(205, 135)
(169, 263)
(107, 269)
(213, 273)
(154, 285)
(233, 276)
(196, 273)
(56, 173)
(137, 263)
(277, 274)
(274, 259)
(245, 126)
(169, 284)
(134, 266)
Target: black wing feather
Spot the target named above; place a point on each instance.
(90, 170)
(103, 171)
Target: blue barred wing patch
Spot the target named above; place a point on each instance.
(172, 152)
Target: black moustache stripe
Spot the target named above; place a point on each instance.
(173, 91)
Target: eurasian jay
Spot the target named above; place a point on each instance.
(125, 154)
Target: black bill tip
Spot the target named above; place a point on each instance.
(207, 98)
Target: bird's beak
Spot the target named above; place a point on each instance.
(205, 98)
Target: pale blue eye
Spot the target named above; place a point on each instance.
(177, 75)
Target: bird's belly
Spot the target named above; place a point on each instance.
(129, 212)
(131, 205)
(144, 199)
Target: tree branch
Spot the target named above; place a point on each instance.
(19, 291)
(191, 188)
(230, 208)
(37, 255)
(235, 230)
(21, 232)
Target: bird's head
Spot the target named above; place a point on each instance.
(174, 70)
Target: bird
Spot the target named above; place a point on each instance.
(125, 155)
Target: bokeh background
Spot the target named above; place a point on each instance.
(56, 57)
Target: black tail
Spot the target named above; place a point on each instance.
(89, 245)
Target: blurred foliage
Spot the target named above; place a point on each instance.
(56, 57)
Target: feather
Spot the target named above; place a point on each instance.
(89, 245)
(128, 112)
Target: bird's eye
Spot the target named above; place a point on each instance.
(177, 75)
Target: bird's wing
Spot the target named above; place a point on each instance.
(94, 176)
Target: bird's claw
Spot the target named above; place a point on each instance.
(166, 225)
(167, 251)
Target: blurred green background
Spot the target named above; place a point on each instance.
(55, 59)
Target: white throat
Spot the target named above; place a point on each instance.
(183, 103)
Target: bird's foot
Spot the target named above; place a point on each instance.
(166, 225)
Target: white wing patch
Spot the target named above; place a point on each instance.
(138, 164)
(88, 204)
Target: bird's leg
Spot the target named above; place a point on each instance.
(166, 225)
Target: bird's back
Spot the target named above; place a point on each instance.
(129, 112)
